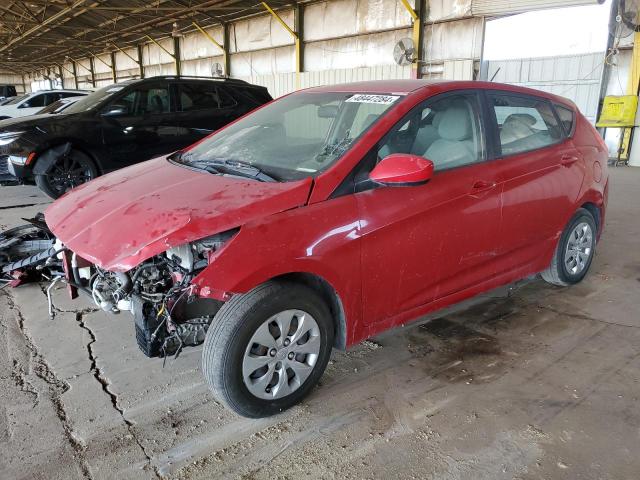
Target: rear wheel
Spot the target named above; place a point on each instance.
(265, 350)
(69, 170)
(575, 250)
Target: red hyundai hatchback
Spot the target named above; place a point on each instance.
(331, 215)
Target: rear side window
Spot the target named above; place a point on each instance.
(524, 123)
(52, 97)
(71, 94)
(256, 95)
(567, 119)
(35, 101)
(203, 96)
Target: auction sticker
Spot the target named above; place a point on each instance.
(367, 98)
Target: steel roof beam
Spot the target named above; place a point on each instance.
(47, 21)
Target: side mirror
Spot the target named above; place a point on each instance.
(114, 111)
(402, 169)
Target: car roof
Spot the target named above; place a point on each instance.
(407, 86)
(58, 90)
(234, 81)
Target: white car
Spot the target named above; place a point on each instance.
(32, 103)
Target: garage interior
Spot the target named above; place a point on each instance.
(530, 382)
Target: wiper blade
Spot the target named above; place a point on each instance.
(236, 167)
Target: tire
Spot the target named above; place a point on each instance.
(566, 267)
(231, 346)
(75, 163)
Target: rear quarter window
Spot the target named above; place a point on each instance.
(567, 119)
(204, 96)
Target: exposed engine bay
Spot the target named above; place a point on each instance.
(168, 314)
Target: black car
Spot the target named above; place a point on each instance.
(7, 91)
(121, 124)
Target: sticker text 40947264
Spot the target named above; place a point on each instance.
(367, 98)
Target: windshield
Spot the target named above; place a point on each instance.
(15, 100)
(95, 98)
(295, 137)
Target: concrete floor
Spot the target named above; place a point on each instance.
(543, 384)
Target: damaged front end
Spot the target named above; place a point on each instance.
(168, 314)
(167, 311)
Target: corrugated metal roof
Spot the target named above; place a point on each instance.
(38, 33)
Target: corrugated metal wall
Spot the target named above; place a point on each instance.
(576, 77)
(284, 83)
(344, 40)
(11, 79)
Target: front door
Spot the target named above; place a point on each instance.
(425, 242)
(139, 125)
(202, 108)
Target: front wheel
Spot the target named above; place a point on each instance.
(265, 350)
(575, 250)
(70, 169)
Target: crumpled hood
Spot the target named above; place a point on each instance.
(128, 216)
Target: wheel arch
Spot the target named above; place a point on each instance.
(594, 210)
(46, 156)
(330, 296)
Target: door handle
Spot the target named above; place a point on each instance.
(568, 160)
(482, 185)
(481, 188)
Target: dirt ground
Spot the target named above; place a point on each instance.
(540, 384)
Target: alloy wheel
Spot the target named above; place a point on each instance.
(67, 173)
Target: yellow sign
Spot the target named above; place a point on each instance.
(618, 111)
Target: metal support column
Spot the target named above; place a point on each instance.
(176, 55)
(418, 18)
(299, 28)
(226, 60)
(140, 64)
(75, 73)
(93, 73)
(223, 47)
(633, 84)
(173, 55)
(297, 41)
(114, 70)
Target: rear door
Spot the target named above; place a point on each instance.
(201, 108)
(138, 124)
(542, 173)
(422, 243)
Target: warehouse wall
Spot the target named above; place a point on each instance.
(13, 79)
(344, 40)
(576, 77)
